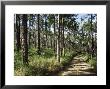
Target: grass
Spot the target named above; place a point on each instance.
(46, 63)
(93, 62)
(42, 65)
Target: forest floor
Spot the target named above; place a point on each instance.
(77, 67)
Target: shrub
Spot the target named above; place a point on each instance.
(44, 64)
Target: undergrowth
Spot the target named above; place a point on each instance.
(46, 63)
(40, 65)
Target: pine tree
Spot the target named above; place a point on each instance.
(24, 39)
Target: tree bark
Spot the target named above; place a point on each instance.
(29, 33)
(58, 40)
(61, 36)
(92, 43)
(24, 39)
(18, 45)
(38, 35)
(46, 43)
(54, 37)
(63, 44)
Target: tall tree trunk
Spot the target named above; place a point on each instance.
(39, 34)
(61, 29)
(63, 44)
(46, 31)
(24, 39)
(36, 32)
(69, 41)
(92, 43)
(54, 37)
(29, 39)
(35, 40)
(42, 32)
(51, 42)
(18, 45)
(82, 41)
(58, 40)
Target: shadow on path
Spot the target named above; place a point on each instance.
(77, 67)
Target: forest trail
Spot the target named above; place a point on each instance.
(78, 67)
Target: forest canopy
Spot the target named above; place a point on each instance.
(48, 44)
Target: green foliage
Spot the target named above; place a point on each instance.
(80, 33)
(67, 58)
(18, 64)
(93, 62)
(44, 64)
(41, 66)
(48, 53)
(32, 51)
(18, 58)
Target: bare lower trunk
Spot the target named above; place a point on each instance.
(24, 39)
(18, 45)
(58, 51)
(38, 35)
(58, 40)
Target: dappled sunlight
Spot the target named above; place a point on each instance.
(55, 44)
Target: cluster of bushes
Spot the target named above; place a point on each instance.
(44, 64)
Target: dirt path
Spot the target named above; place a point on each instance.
(78, 67)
